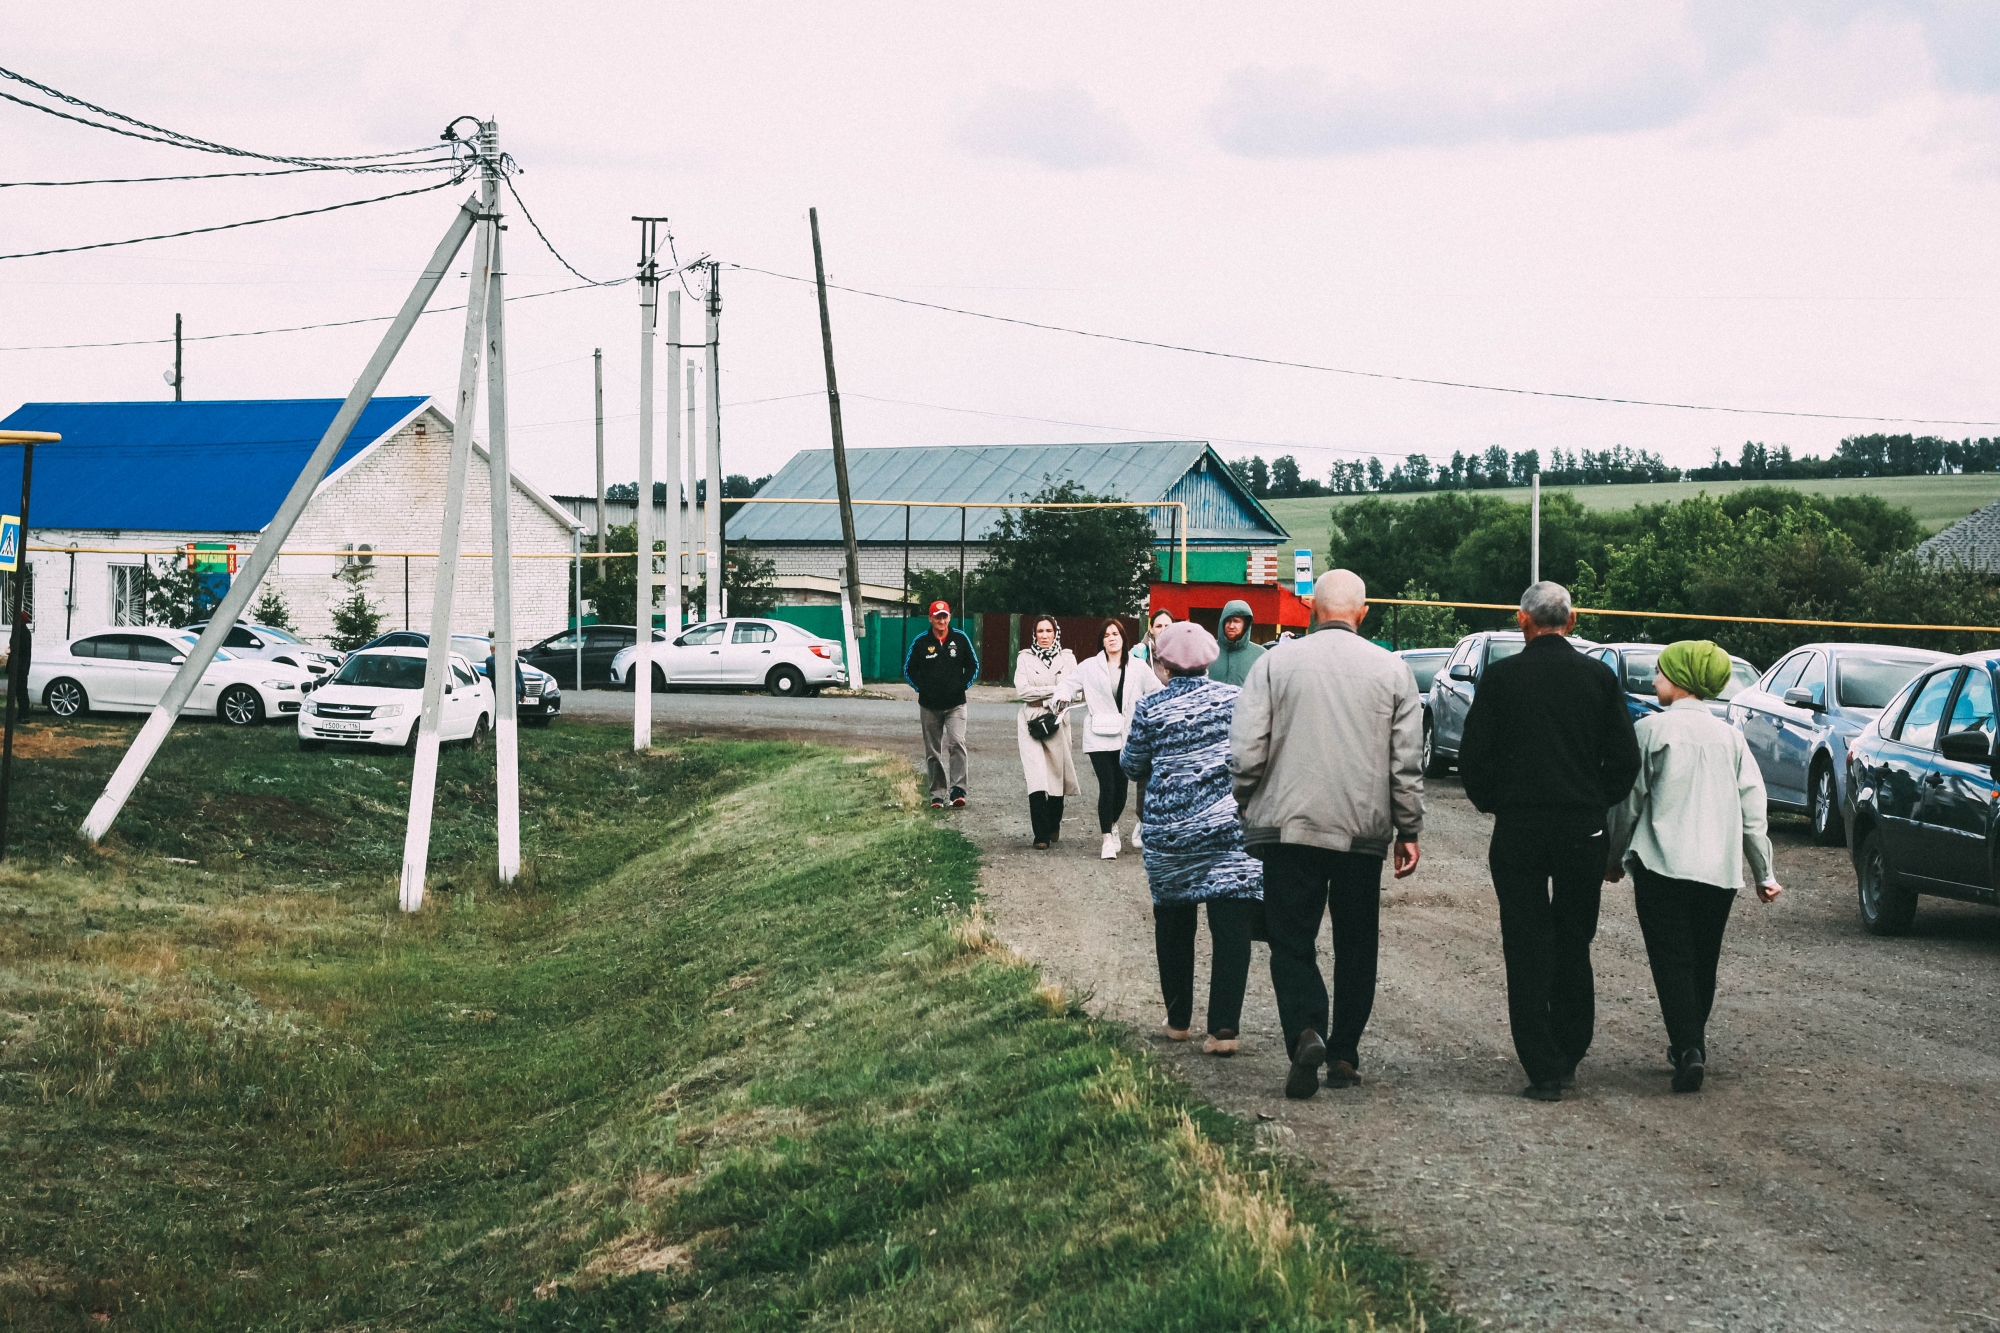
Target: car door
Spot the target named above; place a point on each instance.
(1908, 765)
(1451, 697)
(1795, 731)
(695, 657)
(461, 702)
(1956, 814)
(601, 643)
(154, 668)
(557, 655)
(100, 666)
(1760, 722)
(750, 653)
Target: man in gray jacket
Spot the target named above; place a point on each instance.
(1326, 755)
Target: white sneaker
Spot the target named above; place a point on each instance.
(1110, 852)
(1136, 844)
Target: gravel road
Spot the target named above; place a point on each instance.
(1840, 1171)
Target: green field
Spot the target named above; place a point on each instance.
(736, 1053)
(1937, 502)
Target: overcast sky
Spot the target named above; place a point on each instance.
(1659, 201)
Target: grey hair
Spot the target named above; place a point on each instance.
(1547, 604)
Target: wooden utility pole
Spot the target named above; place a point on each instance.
(177, 357)
(21, 638)
(839, 440)
(597, 355)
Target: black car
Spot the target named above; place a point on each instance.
(557, 653)
(1921, 794)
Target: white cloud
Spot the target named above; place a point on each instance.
(1060, 126)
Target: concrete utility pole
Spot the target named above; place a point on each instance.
(718, 602)
(691, 516)
(642, 662)
(506, 691)
(444, 583)
(840, 443)
(1535, 527)
(597, 355)
(151, 736)
(670, 612)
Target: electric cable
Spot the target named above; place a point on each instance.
(174, 138)
(247, 222)
(1371, 374)
(550, 245)
(442, 164)
(295, 328)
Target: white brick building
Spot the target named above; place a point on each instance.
(130, 478)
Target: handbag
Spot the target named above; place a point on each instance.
(1042, 726)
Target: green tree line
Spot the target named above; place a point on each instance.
(1764, 551)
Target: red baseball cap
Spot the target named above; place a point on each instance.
(940, 608)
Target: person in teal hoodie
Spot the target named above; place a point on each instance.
(1238, 651)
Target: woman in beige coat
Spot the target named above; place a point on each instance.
(1039, 684)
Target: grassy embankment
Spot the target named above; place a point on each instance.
(736, 1053)
(1937, 502)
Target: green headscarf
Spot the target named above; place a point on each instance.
(1696, 665)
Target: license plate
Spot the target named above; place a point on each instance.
(345, 726)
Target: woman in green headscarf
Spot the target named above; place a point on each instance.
(1693, 823)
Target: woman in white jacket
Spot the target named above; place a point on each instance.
(1045, 761)
(1111, 684)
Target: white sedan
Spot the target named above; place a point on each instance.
(739, 654)
(128, 670)
(377, 698)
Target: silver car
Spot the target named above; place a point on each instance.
(1799, 717)
(740, 654)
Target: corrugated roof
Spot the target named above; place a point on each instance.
(1973, 541)
(221, 466)
(995, 474)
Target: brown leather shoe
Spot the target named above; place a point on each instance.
(1341, 1074)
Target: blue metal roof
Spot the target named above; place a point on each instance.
(178, 467)
(1220, 511)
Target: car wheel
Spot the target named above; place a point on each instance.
(481, 730)
(409, 745)
(1886, 907)
(1434, 767)
(311, 745)
(66, 698)
(659, 681)
(240, 706)
(787, 682)
(1828, 830)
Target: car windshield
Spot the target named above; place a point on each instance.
(471, 647)
(1425, 668)
(383, 670)
(272, 633)
(1640, 666)
(1870, 682)
(1741, 677)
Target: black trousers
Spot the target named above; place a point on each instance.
(1683, 922)
(1229, 971)
(1549, 884)
(1044, 815)
(1111, 787)
(1300, 883)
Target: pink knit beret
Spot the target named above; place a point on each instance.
(1186, 646)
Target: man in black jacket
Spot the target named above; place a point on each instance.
(1548, 748)
(941, 665)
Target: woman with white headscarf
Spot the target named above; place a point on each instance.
(1042, 730)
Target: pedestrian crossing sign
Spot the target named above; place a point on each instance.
(10, 543)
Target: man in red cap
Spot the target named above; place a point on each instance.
(941, 665)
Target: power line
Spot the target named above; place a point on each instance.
(247, 222)
(174, 138)
(1372, 374)
(442, 164)
(547, 242)
(295, 328)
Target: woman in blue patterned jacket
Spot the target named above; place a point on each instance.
(1178, 751)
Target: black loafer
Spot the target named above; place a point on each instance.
(1309, 1055)
(1341, 1074)
(1543, 1092)
(1690, 1069)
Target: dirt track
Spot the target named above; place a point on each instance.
(1841, 1169)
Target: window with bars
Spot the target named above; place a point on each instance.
(128, 594)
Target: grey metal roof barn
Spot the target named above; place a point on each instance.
(1973, 542)
(1220, 511)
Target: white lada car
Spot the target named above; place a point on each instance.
(128, 671)
(740, 654)
(377, 698)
